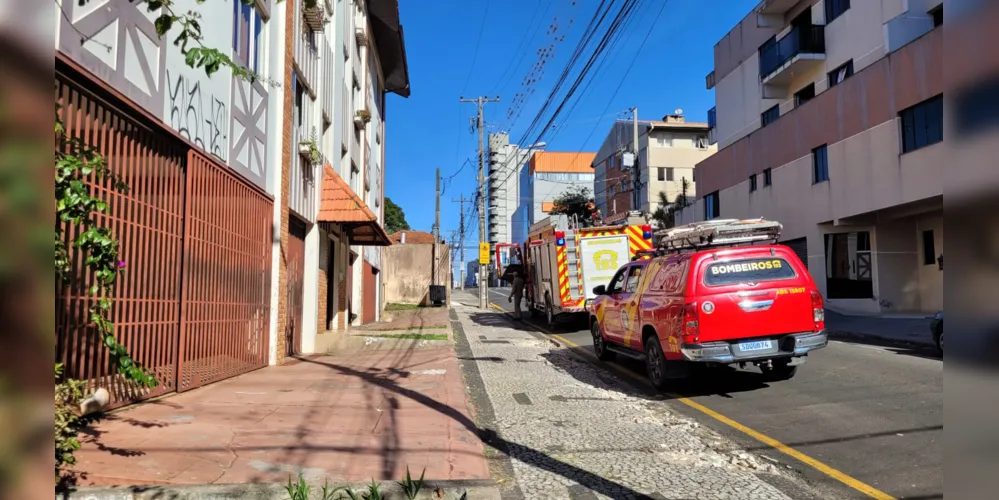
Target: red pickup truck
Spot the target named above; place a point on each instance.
(707, 302)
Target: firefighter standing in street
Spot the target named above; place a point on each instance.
(515, 275)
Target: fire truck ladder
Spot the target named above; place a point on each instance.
(716, 233)
(572, 263)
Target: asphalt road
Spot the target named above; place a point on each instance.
(872, 413)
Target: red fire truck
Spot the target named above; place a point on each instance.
(565, 261)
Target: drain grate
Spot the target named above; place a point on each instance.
(521, 398)
(495, 341)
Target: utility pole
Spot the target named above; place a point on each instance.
(636, 198)
(461, 235)
(437, 231)
(483, 286)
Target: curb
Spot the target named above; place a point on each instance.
(390, 490)
(880, 340)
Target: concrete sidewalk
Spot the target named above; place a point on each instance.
(353, 417)
(912, 330)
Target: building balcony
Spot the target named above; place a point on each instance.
(771, 12)
(306, 51)
(803, 48)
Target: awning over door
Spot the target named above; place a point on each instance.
(340, 205)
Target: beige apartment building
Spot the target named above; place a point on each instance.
(829, 119)
(668, 150)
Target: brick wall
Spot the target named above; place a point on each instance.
(289, 108)
(324, 252)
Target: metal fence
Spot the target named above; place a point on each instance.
(193, 303)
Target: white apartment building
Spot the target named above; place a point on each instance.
(829, 119)
(506, 163)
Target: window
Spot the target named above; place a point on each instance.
(617, 283)
(769, 116)
(838, 75)
(922, 124)
(820, 164)
(702, 142)
(929, 249)
(804, 95)
(711, 206)
(634, 276)
(299, 98)
(662, 174)
(835, 8)
(848, 265)
(669, 174)
(768, 177)
(247, 35)
(748, 271)
(752, 183)
(663, 140)
(937, 14)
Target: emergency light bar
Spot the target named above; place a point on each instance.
(719, 233)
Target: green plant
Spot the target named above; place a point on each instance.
(68, 423)
(301, 490)
(310, 148)
(410, 487)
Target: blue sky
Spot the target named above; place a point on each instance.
(452, 52)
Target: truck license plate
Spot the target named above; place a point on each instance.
(755, 346)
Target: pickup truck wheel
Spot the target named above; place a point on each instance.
(655, 362)
(599, 344)
(778, 372)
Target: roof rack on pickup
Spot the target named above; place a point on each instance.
(715, 233)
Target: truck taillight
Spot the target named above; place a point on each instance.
(818, 311)
(560, 238)
(647, 232)
(690, 326)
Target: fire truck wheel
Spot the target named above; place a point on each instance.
(778, 372)
(549, 312)
(599, 344)
(655, 362)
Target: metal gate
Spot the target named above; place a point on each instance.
(296, 285)
(800, 247)
(225, 308)
(193, 303)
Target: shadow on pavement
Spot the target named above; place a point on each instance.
(535, 458)
(895, 346)
(722, 381)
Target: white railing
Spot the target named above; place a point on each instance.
(302, 191)
(326, 84)
(346, 126)
(306, 49)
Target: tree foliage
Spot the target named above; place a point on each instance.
(395, 218)
(575, 201)
(665, 214)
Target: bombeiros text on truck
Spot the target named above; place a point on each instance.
(721, 292)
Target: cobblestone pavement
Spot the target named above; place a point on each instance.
(572, 432)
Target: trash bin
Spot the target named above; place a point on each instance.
(438, 294)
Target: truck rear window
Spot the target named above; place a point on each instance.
(747, 270)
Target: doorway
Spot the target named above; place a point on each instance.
(296, 285)
(331, 280)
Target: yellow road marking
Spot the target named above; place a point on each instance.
(759, 436)
(787, 450)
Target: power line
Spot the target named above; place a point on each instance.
(523, 40)
(475, 54)
(624, 77)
